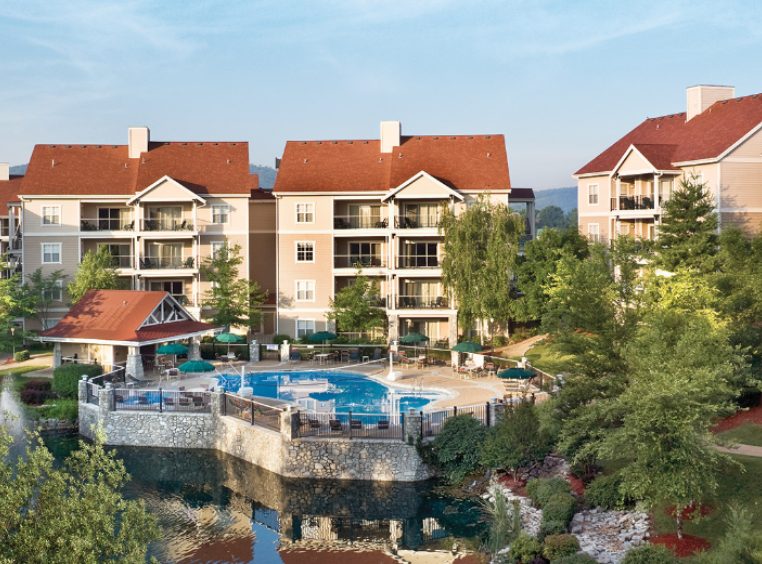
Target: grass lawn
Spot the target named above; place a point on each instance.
(18, 374)
(735, 486)
(746, 434)
(545, 356)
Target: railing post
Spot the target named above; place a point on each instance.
(420, 413)
(487, 412)
(161, 401)
(350, 424)
(454, 410)
(251, 403)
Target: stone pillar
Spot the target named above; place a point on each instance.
(254, 351)
(218, 408)
(498, 410)
(57, 355)
(412, 428)
(285, 351)
(82, 390)
(194, 350)
(106, 399)
(134, 366)
(289, 424)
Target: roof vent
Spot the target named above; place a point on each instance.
(52, 163)
(702, 96)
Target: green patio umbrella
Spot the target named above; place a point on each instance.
(467, 347)
(413, 338)
(196, 366)
(321, 336)
(516, 374)
(172, 348)
(229, 338)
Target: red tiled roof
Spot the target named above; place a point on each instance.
(706, 136)
(660, 156)
(465, 162)
(9, 192)
(116, 315)
(205, 168)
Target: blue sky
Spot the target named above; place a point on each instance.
(560, 79)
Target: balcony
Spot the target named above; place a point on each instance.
(358, 261)
(121, 261)
(179, 224)
(167, 263)
(633, 203)
(360, 222)
(418, 261)
(100, 224)
(412, 222)
(423, 302)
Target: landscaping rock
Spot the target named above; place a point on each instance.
(608, 535)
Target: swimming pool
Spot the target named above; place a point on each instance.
(330, 391)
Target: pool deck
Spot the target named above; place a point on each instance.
(455, 389)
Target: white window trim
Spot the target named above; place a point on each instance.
(227, 214)
(296, 251)
(311, 289)
(296, 325)
(60, 291)
(594, 236)
(222, 242)
(60, 253)
(296, 213)
(589, 194)
(42, 217)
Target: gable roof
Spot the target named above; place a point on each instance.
(204, 168)
(462, 162)
(118, 315)
(160, 182)
(419, 176)
(670, 138)
(9, 192)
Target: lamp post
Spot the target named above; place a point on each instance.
(13, 341)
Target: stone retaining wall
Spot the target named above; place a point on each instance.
(278, 452)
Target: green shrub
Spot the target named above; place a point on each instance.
(67, 376)
(560, 507)
(604, 492)
(35, 392)
(60, 409)
(524, 549)
(457, 448)
(552, 528)
(556, 546)
(649, 554)
(540, 490)
(579, 558)
(21, 356)
(278, 339)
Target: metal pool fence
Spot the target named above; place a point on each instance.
(352, 425)
(92, 393)
(433, 422)
(252, 411)
(126, 399)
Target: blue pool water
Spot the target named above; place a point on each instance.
(329, 391)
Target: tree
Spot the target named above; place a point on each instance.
(355, 307)
(516, 441)
(233, 299)
(13, 304)
(457, 448)
(551, 216)
(71, 513)
(481, 246)
(540, 260)
(688, 231)
(41, 291)
(95, 272)
(741, 542)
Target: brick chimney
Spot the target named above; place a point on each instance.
(137, 141)
(701, 96)
(390, 135)
(5, 171)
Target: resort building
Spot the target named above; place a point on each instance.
(10, 221)
(717, 140)
(160, 208)
(376, 204)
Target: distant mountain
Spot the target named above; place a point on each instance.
(564, 198)
(266, 175)
(19, 169)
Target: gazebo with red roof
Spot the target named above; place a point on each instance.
(115, 327)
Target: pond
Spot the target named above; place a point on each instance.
(214, 507)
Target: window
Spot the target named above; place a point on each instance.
(305, 251)
(172, 287)
(54, 294)
(51, 215)
(304, 328)
(305, 290)
(305, 213)
(220, 213)
(51, 253)
(593, 232)
(217, 246)
(114, 219)
(364, 254)
(50, 323)
(592, 194)
(121, 254)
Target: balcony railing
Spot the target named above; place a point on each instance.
(359, 222)
(159, 263)
(358, 261)
(418, 261)
(422, 302)
(99, 224)
(121, 261)
(633, 203)
(180, 224)
(409, 222)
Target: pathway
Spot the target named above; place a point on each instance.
(517, 350)
(743, 450)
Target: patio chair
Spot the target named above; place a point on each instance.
(184, 401)
(383, 424)
(314, 423)
(335, 425)
(354, 356)
(142, 400)
(198, 401)
(355, 424)
(169, 401)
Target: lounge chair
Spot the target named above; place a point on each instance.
(314, 423)
(184, 402)
(383, 424)
(355, 424)
(335, 425)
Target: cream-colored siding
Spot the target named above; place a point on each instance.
(33, 254)
(323, 216)
(321, 270)
(32, 220)
(634, 163)
(751, 148)
(168, 190)
(750, 222)
(263, 245)
(741, 185)
(423, 187)
(238, 216)
(604, 195)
